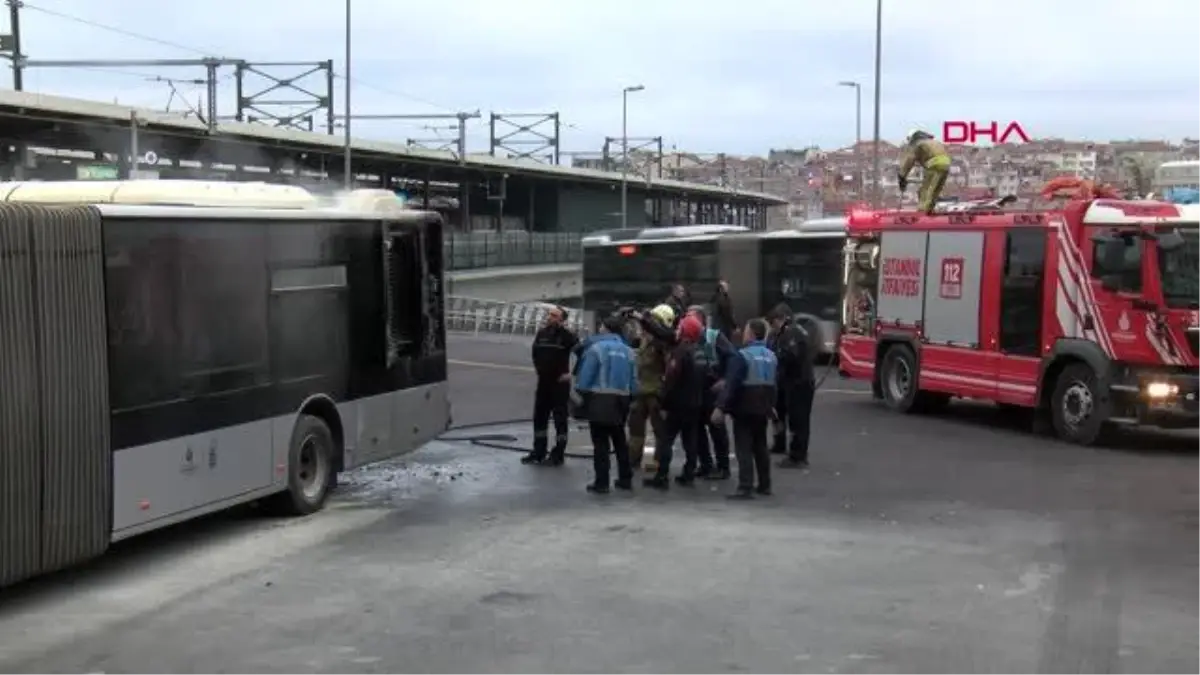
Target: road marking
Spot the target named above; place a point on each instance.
(493, 366)
(527, 369)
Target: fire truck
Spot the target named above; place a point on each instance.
(1084, 313)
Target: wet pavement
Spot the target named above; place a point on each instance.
(955, 543)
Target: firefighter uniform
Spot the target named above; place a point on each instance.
(931, 155)
(651, 364)
(552, 348)
(607, 381)
(749, 396)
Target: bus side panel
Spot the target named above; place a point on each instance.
(739, 261)
(77, 492)
(20, 450)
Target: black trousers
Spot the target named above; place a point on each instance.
(750, 443)
(550, 399)
(719, 434)
(610, 438)
(795, 415)
(684, 426)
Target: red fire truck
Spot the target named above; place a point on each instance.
(1085, 313)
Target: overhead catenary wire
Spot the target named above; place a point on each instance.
(198, 51)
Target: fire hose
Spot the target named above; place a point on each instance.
(508, 441)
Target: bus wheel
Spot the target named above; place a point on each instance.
(310, 469)
(899, 378)
(1075, 408)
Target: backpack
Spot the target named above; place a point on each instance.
(708, 348)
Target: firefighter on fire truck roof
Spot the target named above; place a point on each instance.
(921, 148)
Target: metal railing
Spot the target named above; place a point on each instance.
(474, 315)
(477, 250)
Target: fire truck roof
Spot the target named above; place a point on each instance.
(1096, 212)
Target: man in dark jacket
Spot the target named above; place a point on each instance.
(790, 342)
(552, 347)
(607, 382)
(678, 301)
(712, 356)
(749, 396)
(722, 309)
(682, 396)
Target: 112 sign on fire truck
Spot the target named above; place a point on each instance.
(1086, 314)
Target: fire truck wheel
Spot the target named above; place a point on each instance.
(899, 378)
(1074, 406)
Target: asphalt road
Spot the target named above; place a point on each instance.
(956, 543)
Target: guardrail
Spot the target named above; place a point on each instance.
(476, 250)
(476, 315)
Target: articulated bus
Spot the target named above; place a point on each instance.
(800, 266)
(173, 348)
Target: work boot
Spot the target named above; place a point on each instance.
(598, 488)
(533, 458)
(741, 495)
(721, 473)
(626, 485)
(657, 482)
(558, 453)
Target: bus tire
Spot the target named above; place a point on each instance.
(311, 474)
(1075, 407)
(898, 378)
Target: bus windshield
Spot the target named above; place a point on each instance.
(1179, 269)
(805, 273)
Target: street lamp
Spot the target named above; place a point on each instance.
(625, 151)
(857, 108)
(878, 63)
(347, 176)
(857, 127)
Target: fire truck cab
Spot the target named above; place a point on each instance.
(1086, 314)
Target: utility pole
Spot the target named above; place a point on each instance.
(347, 170)
(878, 72)
(11, 44)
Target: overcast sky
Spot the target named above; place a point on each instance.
(738, 77)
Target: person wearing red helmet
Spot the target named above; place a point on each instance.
(680, 405)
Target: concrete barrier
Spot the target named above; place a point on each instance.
(527, 283)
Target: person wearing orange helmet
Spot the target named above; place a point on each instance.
(681, 400)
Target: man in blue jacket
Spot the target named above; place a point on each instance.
(607, 382)
(749, 397)
(713, 356)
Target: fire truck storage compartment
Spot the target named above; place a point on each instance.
(901, 278)
(952, 278)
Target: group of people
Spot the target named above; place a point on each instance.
(689, 379)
